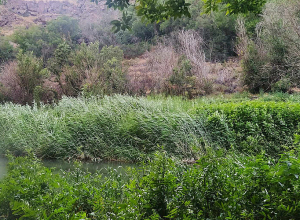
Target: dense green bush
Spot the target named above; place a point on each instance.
(43, 41)
(221, 185)
(140, 31)
(64, 27)
(182, 81)
(30, 74)
(33, 39)
(254, 126)
(126, 128)
(60, 58)
(93, 71)
(6, 50)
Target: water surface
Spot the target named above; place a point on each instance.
(3, 162)
(60, 165)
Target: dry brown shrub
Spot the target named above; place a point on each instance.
(13, 91)
(226, 76)
(281, 19)
(242, 38)
(161, 62)
(71, 81)
(191, 46)
(11, 83)
(52, 90)
(98, 27)
(149, 73)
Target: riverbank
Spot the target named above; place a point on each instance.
(221, 185)
(131, 129)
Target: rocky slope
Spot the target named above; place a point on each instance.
(25, 13)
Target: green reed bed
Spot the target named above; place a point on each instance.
(131, 129)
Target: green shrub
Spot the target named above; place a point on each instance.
(33, 39)
(257, 126)
(271, 62)
(143, 31)
(63, 27)
(61, 58)
(140, 32)
(6, 50)
(182, 81)
(43, 41)
(31, 74)
(93, 71)
(221, 185)
(282, 85)
(254, 76)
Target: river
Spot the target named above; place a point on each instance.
(64, 165)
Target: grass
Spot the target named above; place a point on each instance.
(132, 129)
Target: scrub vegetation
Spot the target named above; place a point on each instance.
(221, 185)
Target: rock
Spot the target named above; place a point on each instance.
(7, 18)
(47, 10)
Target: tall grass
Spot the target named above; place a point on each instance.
(128, 128)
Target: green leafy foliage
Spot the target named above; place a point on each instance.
(31, 73)
(221, 185)
(254, 126)
(149, 10)
(235, 6)
(157, 11)
(182, 81)
(43, 41)
(64, 27)
(6, 50)
(93, 71)
(61, 57)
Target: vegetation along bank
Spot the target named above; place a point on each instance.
(131, 129)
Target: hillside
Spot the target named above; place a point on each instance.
(198, 56)
(24, 13)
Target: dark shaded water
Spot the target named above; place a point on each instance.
(3, 170)
(63, 165)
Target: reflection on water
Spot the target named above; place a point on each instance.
(64, 165)
(90, 167)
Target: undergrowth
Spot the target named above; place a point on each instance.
(221, 185)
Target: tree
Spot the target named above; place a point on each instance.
(235, 6)
(155, 11)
